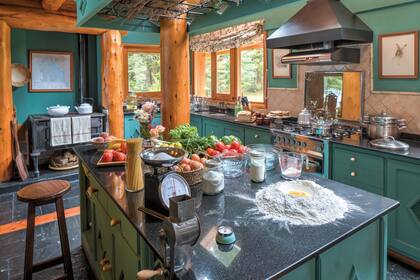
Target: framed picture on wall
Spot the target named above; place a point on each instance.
(51, 71)
(280, 70)
(399, 55)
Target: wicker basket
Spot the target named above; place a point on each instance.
(193, 177)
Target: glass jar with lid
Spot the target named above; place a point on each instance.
(213, 177)
(257, 165)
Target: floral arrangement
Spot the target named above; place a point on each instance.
(145, 117)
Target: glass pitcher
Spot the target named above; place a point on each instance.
(291, 165)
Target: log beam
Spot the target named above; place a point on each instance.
(42, 20)
(6, 104)
(175, 77)
(52, 5)
(112, 81)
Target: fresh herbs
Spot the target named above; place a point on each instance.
(184, 131)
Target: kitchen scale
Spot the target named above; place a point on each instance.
(163, 183)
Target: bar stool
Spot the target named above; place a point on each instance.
(36, 195)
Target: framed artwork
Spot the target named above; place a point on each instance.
(280, 70)
(51, 71)
(399, 55)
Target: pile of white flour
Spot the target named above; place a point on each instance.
(301, 202)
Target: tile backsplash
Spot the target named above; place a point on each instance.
(398, 104)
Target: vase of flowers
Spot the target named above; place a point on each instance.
(145, 117)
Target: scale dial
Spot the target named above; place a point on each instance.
(173, 185)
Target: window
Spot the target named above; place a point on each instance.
(142, 70)
(227, 74)
(252, 72)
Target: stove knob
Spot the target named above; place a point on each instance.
(304, 144)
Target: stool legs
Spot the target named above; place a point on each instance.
(62, 228)
(29, 249)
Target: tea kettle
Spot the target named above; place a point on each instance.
(304, 117)
(84, 108)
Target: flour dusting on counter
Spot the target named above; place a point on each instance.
(301, 202)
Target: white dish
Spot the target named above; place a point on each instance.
(58, 110)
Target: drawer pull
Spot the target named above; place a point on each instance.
(114, 222)
(353, 174)
(90, 190)
(256, 136)
(105, 263)
(353, 159)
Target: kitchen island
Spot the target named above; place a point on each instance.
(119, 241)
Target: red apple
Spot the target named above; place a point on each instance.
(104, 134)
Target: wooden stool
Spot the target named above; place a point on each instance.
(39, 194)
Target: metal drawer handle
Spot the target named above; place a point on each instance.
(353, 159)
(257, 136)
(90, 190)
(114, 222)
(353, 174)
(105, 263)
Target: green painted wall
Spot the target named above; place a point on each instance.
(35, 103)
(383, 16)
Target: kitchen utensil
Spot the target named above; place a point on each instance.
(389, 143)
(321, 128)
(163, 184)
(304, 117)
(225, 235)
(20, 75)
(233, 164)
(84, 108)
(271, 154)
(58, 110)
(18, 157)
(291, 165)
(383, 125)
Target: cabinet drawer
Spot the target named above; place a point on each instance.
(120, 223)
(104, 243)
(257, 136)
(127, 263)
(359, 169)
(94, 189)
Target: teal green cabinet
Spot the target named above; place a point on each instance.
(234, 130)
(359, 257)
(404, 227)
(306, 271)
(213, 127)
(257, 136)
(357, 168)
(197, 122)
(131, 127)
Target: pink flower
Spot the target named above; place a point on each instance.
(154, 133)
(148, 107)
(160, 128)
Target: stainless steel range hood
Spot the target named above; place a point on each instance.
(323, 25)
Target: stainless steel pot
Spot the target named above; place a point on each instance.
(322, 129)
(383, 125)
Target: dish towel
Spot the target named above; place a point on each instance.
(60, 131)
(81, 129)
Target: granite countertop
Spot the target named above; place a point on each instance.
(228, 118)
(363, 142)
(256, 237)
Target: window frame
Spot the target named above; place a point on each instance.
(139, 48)
(235, 74)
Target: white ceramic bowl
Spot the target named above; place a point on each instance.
(58, 110)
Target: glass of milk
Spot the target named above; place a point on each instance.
(291, 165)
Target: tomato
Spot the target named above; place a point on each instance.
(228, 147)
(241, 149)
(235, 145)
(107, 157)
(233, 151)
(220, 146)
(211, 152)
(225, 151)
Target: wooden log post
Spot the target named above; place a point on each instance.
(175, 72)
(52, 5)
(112, 81)
(6, 104)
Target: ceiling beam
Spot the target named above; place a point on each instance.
(52, 5)
(40, 19)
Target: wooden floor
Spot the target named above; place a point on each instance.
(47, 244)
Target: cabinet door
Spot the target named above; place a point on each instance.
(358, 257)
(156, 120)
(197, 122)
(211, 127)
(257, 136)
(234, 130)
(359, 169)
(104, 244)
(404, 186)
(131, 128)
(127, 264)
